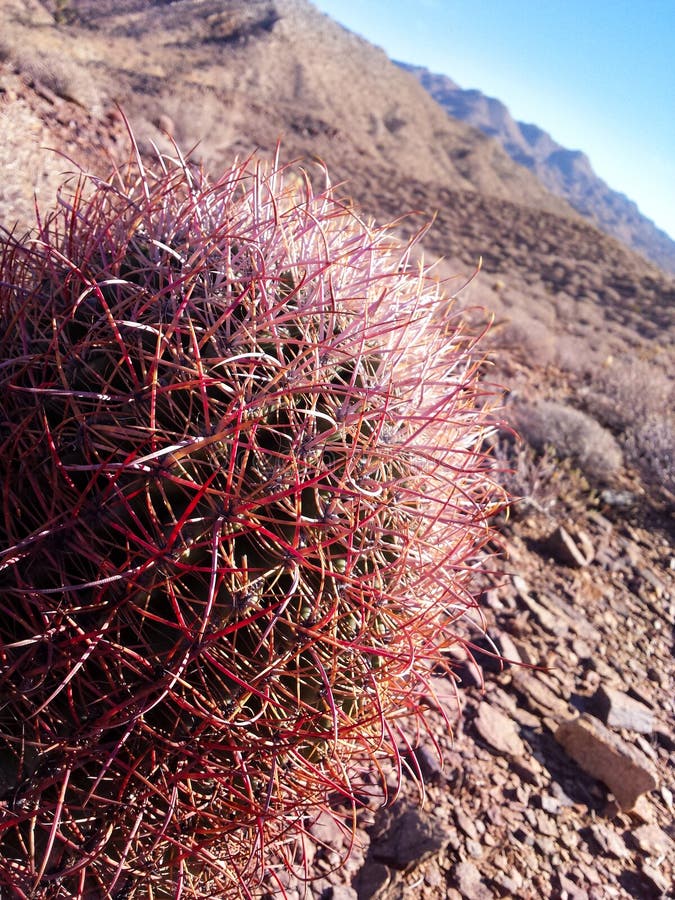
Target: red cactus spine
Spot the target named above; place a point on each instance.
(242, 500)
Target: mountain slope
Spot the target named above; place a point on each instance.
(235, 76)
(567, 173)
(232, 77)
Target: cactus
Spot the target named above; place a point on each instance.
(243, 496)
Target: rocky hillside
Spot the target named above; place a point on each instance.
(566, 173)
(228, 78)
(559, 779)
(556, 782)
(235, 77)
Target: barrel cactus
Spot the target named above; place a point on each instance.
(244, 492)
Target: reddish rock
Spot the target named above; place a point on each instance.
(611, 842)
(539, 695)
(329, 837)
(469, 882)
(412, 837)
(498, 731)
(509, 649)
(466, 824)
(429, 764)
(604, 755)
(563, 547)
(570, 890)
(618, 710)
(443, 695)
(653, 840)
(554, 623)
(373, 880)
(343, 892)
(658, 878)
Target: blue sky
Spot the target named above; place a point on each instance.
(598, 75)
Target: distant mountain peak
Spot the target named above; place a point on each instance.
(567, 173)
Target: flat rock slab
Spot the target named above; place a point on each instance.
(498, 731)
(625, 770)
(618, 710)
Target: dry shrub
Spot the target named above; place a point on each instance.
(578, 356)
(58, 74)
(625, 391)
(635, 399)
(649, 445)
(571, 434)
(530, 478)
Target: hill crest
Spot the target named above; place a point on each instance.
(566, 173)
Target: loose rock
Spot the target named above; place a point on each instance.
(657, 878)
(343, 892)
(412, 838)
(554, 624)
(609, 840)
(562, 546)
(618, 710)
(469, 882)
(653, 840)
(498, 731)
(571, 891)
(429, 765)
(604, 755)
(373, 880)
(509, 649)
(539, 696)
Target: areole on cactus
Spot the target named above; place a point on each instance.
(243, 496)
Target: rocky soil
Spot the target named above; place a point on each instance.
(559, 774)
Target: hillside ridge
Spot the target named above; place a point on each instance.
(566, 173)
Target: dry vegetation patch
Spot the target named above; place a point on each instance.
(572, 434)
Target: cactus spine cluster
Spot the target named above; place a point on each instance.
(243, 496)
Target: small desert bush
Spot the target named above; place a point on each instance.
(624, 391)
(58, 74)
(634, 398)
(580, 356)
(525, 338)
(650, 445)
(244, 496)
(531, 479)
(571, 434)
